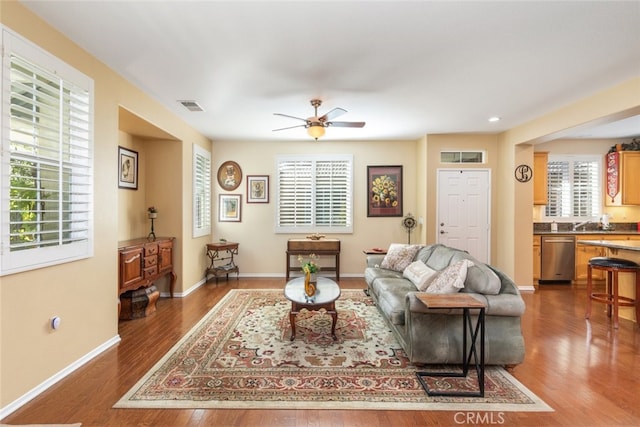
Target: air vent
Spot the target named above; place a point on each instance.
(191, 105)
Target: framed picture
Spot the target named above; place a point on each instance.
(127, 168)
(229, 175)
(384, 190)
(230, 207)
(257, 188)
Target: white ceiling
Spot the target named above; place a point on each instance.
(407, 68)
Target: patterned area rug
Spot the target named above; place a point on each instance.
(240, 356)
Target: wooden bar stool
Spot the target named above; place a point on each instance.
(613, 266)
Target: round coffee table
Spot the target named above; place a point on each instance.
(327, 292)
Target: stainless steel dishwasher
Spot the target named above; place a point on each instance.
(558, 261)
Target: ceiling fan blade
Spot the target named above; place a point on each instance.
(332, 114)
(346, 124)
(291, 117)
(290, 127)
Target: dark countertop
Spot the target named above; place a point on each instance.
(630, 245)
(588, 232)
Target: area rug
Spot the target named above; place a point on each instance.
(240, 356)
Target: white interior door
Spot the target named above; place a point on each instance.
(464, 197)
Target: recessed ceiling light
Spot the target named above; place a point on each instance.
(494, 119)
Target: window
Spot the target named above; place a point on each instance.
(201, 192)
(574, 187)
(47, 164)
(462, 157)
(314, 194)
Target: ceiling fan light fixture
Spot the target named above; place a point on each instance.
(316, 130)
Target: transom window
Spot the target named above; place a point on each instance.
(47, 163)
(574, 187)
(314, 194)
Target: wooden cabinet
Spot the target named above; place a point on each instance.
(629, 180)
(142, 262)
(630, 166)
(540, 177)
(536, 257)
(583, 254)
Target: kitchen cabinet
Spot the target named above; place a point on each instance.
(536, 257)
(540, 160)
(584, 254)
(630, 165)
(629, 180)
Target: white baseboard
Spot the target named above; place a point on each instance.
(25, 398)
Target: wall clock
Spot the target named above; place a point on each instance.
(523, 173)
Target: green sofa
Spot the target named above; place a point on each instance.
(434, 336)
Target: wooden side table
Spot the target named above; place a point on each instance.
(222, 253)
(318, 247)
(466, 302)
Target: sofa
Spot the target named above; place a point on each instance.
(434, 336)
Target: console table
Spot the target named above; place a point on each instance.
(140, 263)
(465, 302)
(307, 247)
(222, 253)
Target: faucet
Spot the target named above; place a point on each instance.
(583, 223)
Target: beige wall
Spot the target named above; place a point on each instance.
(83, 293)
(261, 251)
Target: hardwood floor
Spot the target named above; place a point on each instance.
(586, 371)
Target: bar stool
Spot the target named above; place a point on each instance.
(613, 266)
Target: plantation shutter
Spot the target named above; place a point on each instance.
(314, 194)
(574, 188)
(559, 200)
(586, 189)
(47, 212)
(201, 192)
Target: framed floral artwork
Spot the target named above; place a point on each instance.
(229, 175)
(384, 191)
(127, 168)
(229, 209)
(257, 188)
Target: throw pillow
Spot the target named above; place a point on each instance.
(419, 274)
(399, 256)
(451, 279)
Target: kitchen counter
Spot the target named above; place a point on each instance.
(629, 245)
(626, 249)
(580, 233)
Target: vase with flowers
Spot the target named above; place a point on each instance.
(309, 268)
(152, 212)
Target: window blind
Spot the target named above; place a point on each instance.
(201, 192)
(48, 192)
(574, 187)
(314, 194)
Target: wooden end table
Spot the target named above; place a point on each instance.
(466, 302)
(327, 292)
(222, 252)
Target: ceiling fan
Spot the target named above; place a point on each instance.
(316, 124)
